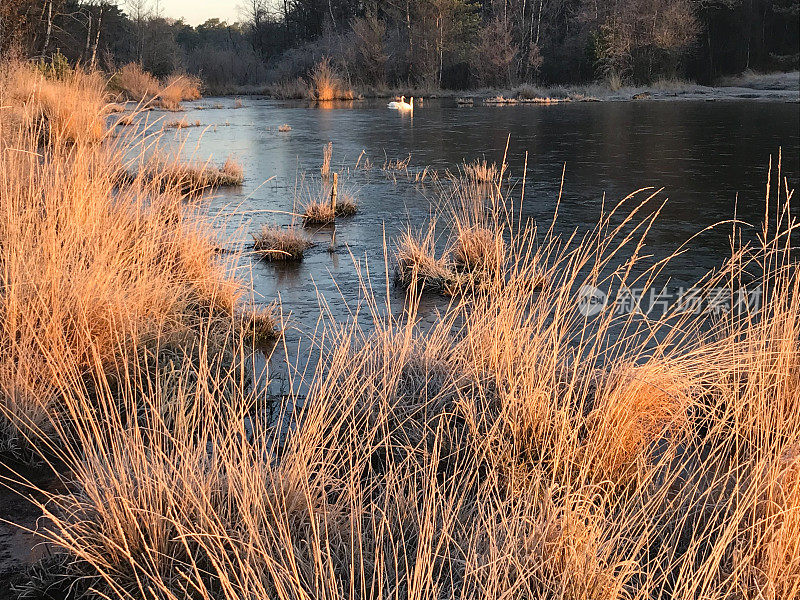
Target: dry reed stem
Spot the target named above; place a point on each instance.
(327, 154)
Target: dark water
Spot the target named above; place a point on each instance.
(707, 156)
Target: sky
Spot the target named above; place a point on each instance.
(195, 12)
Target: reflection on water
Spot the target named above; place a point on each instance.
(707, 157)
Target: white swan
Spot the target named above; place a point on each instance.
(402, 105)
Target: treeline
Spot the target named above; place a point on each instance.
(422, 43)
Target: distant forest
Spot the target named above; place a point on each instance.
(422, 43)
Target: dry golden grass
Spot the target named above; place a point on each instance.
(419, 269)
(188, 86)
(321, 213)
(90, 265)
(634, 408)
(484, 172)
(191, 178)
(181, 124)
(69, 110)
(456, 456)
(513, 448)
(134, 83)
(317, 208)
(275, 243)
(479, 248)
(259, 327)
(325, 84)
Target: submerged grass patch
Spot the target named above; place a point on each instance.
(275, 243)
(191, 178)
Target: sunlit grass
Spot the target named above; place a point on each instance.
(274, 243)
(511, 448)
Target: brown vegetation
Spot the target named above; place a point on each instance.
(317, 208)
(191, 178)
(514, 448)
(133, 83)
(91, 268)
(320, 212)
(327, 155)
(281, 244)
(67, 110)
(179, 124)
(325, 84)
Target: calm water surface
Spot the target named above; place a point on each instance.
(707, 156)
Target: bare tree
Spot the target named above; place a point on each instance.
(139, 12)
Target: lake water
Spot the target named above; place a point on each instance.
(707, 156)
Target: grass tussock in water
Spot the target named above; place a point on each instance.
(320, 212)
(181, 124)
(484, 172)
(327, 156)
(316, 203)
(191, 178)
(326, 84)
(515, 448)
(275, 243)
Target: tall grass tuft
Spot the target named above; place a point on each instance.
(327, 155)
(277, 244)
(134, 83)
(325, 84)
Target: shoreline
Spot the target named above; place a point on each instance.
(776, 87)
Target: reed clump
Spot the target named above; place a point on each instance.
(320, 212)
(191, 178)
(634, 409)
(275, 243)
(69, 109)
(484, 172)
(259, 326)
(327, 155)
(135, 84)
(418, 267)
(181, 124)
(318, 209)
(325, 84)
(478, 248)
